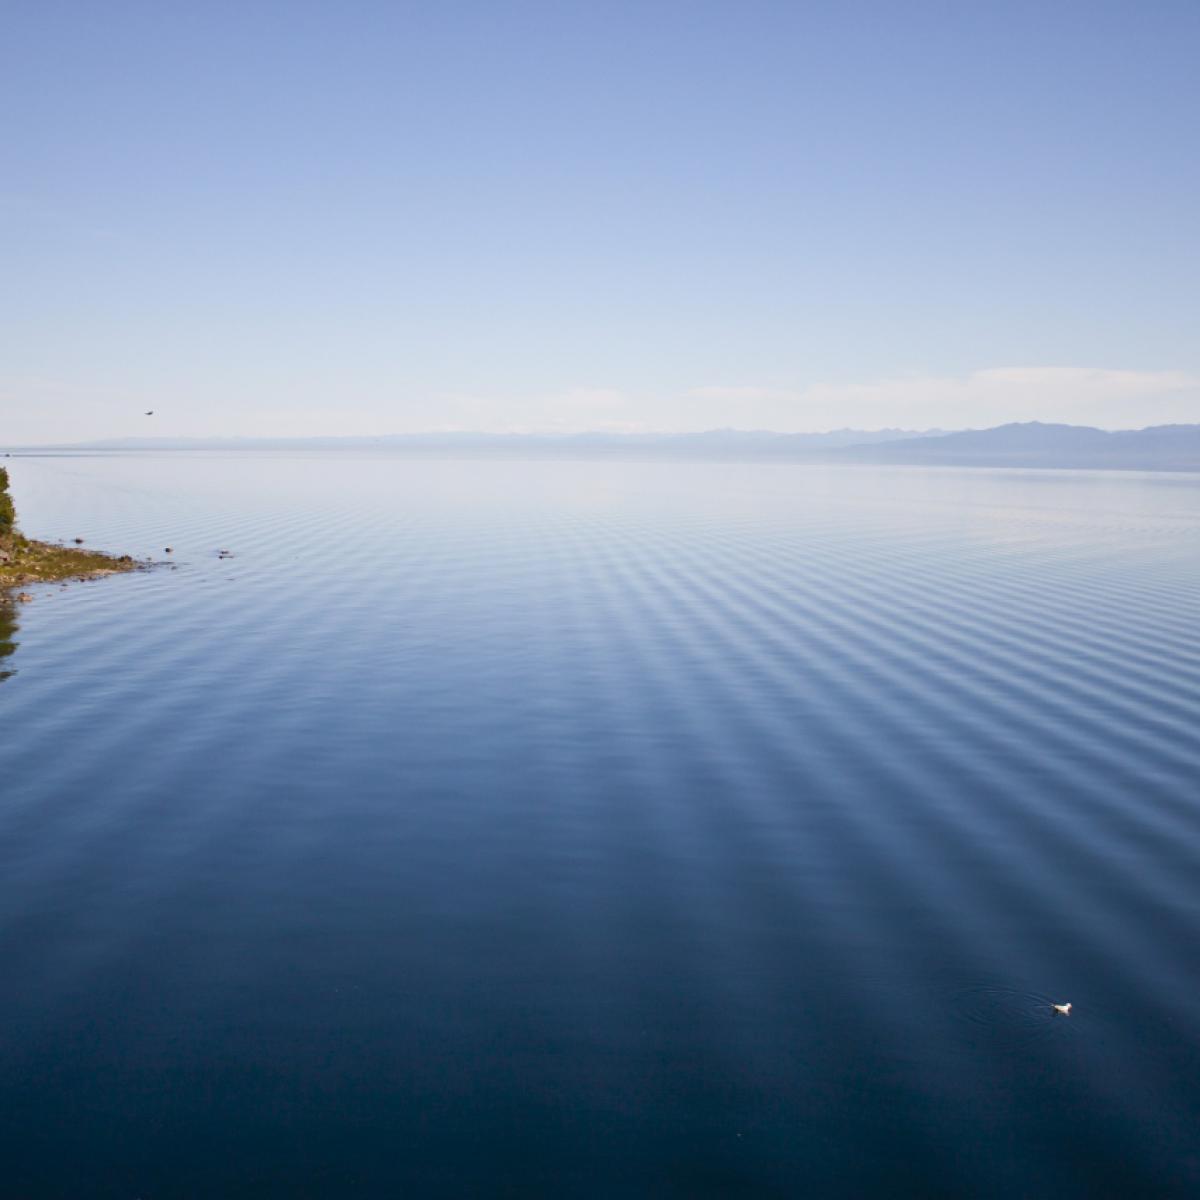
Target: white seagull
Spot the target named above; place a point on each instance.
(1062, 1009)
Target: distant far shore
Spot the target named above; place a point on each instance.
(1030, 444)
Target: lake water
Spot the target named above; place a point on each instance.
(602, 830)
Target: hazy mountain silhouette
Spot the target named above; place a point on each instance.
(1034, 444)
(1031, 444)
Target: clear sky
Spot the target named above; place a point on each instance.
(365, 217)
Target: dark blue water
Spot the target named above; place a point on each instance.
(569, 829)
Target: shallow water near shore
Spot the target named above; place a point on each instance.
(600, 829)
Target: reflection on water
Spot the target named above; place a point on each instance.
(8, 632)
(603, 830)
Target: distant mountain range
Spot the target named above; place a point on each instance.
(1032, 444)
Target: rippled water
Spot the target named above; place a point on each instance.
(579, 829)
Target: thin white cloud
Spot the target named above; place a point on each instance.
(737, 393)
(35, 409)
(572, 410)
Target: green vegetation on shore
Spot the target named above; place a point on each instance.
(8, 514)
(24, 561)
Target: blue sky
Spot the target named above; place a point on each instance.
(358, 217)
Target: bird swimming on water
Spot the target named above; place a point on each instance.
(1063, 1010)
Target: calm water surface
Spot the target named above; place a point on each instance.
(602, 830)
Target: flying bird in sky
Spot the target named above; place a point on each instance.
(150, 413)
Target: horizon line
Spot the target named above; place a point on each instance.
(563, 435)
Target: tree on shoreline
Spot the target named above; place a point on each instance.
(8, 514)
(8, 519)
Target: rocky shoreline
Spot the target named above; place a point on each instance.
(24, 562)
